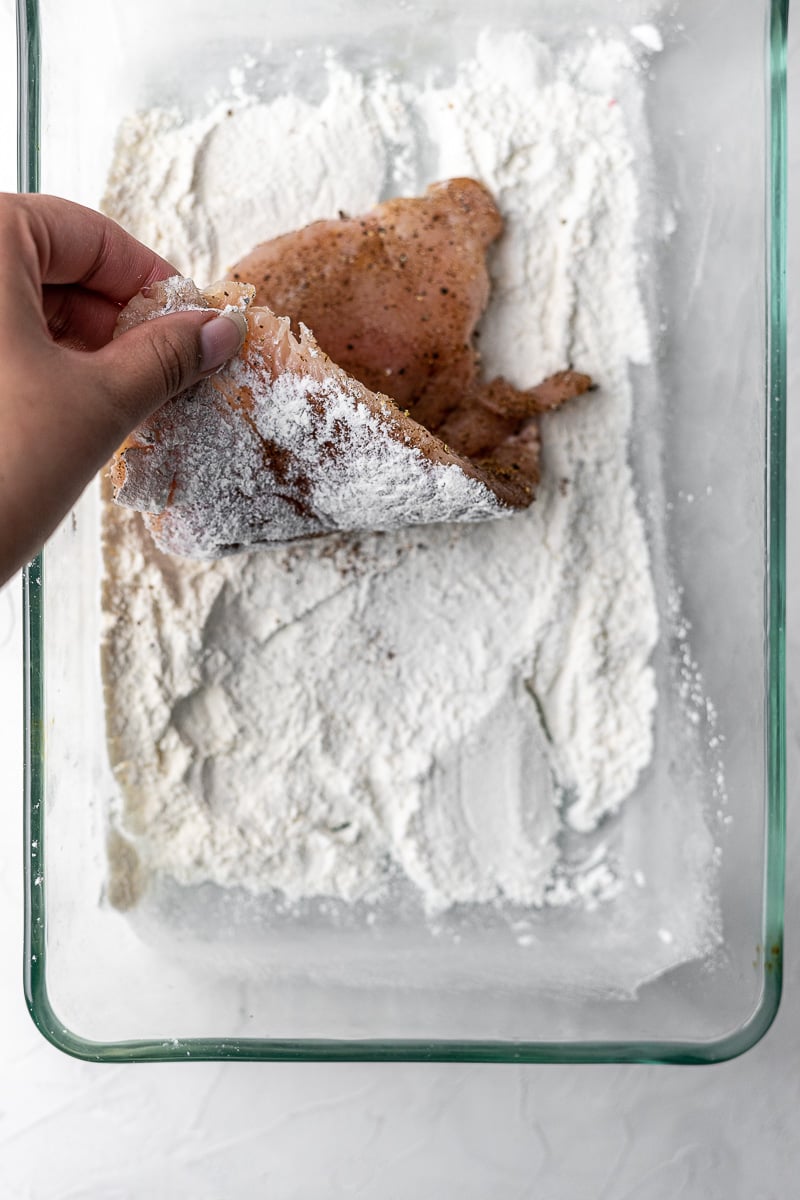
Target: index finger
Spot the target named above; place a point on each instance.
(77, 245)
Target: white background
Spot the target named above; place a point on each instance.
(73, 1131)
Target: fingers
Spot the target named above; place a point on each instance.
(78, 318)
(73, 244)
(63, 411)
(155, 361)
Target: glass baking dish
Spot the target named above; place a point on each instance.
(205, 974)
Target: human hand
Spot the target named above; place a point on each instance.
(69, 394)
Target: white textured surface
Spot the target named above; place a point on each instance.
(72, 1131)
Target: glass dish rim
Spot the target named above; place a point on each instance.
(255, 1049)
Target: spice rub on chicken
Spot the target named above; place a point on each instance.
(394, 297)
(374, 421)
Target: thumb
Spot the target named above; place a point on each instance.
(75, 407)
(149, 364)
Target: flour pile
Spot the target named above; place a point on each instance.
(432, 704)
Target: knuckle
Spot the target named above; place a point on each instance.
(9, 206)
(15, 222)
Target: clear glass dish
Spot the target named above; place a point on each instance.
(199, 973)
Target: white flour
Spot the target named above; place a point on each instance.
(432, 704)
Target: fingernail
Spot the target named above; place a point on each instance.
(220, 339)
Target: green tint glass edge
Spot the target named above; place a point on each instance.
(35, 964)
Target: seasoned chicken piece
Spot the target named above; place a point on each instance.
(375, 420)
(394, 297)
(282, 444)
